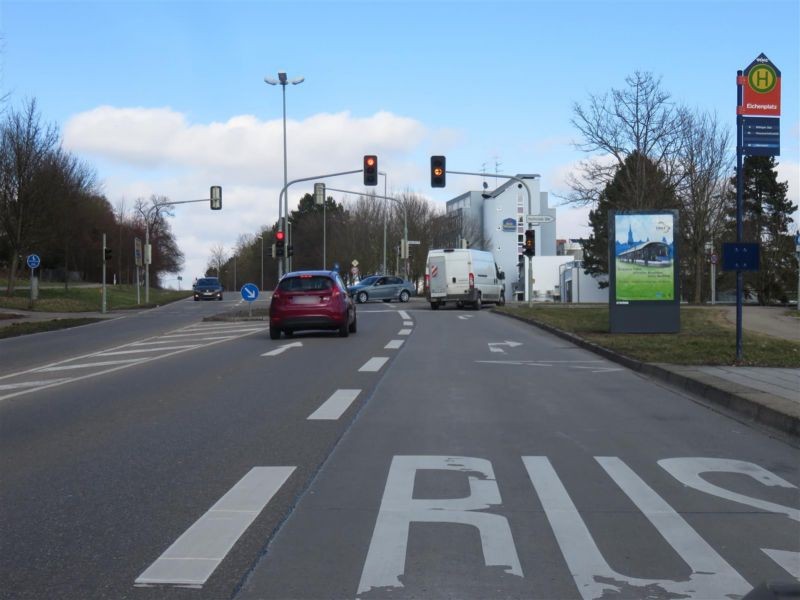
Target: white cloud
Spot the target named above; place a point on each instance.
(159, 151)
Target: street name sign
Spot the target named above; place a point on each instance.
(538, 219)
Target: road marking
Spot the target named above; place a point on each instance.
(334, 407)
(526, 363)
(403, 315)
(104, 363)
(404, 332)
(194, 556)
(141, 350)
(465, 317)
(26, 384)
(408, 323)
(386, 557)
(374, 364)
(393, 345)
(283, 349)
(709, 575)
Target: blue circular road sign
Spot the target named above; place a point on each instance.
(34, 261)
(249, 292)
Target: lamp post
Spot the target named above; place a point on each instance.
(283, 212)
(383, 266)
(261, 237)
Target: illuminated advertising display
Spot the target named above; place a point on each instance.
(644, 255)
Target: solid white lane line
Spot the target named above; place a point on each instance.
(404, 315)
(103, 363)
(26, 384)
(408, 323)
(334, 407)
(140, 350)
(393, 345)
(198, 552)
(404, 332)
(374, 364)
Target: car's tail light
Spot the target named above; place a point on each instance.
(427, 281)
(471, 280)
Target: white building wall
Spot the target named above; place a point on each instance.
(576, 286)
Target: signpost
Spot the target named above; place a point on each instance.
(249, 293)
(758, 108)
(33, 262)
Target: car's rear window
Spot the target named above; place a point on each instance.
(313, 283)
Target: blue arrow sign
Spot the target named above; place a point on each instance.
(249, 292)
(34, 261)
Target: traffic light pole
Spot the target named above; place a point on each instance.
(103, 306)
(405, 222)
(283, 263)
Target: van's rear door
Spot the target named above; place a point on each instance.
(438, 274)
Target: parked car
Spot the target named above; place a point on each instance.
(207, 288)
(382, 287)
(306, 300)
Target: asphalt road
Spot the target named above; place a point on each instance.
(436, 454)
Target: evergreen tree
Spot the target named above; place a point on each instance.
(766, 219)
(637, 185)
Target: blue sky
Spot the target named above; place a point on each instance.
(169, 98)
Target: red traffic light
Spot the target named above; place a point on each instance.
(370, 161)
(370, 169)
(280, 236)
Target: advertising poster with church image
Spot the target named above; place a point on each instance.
(644, 254)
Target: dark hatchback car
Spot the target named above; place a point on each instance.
(207, 288)
(307, 300)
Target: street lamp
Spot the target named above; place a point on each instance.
(261, 237)
(283, 212)
(383, 266)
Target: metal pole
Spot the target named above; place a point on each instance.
(713, 283)
(103, 306)
(324, 236)
(285, 177)
(384, 268)
(405, 237)
(147, 259)
(739, 215)
(262, 261)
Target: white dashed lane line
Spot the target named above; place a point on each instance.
(374, 364)
(404, 332)
(335, 406)
(393, 345)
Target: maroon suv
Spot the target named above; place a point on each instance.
(311, 300)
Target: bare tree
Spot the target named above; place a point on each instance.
(705, 164)
(638, 119)
(25, 143)
(217, 260)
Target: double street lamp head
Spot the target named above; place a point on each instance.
(283, 80)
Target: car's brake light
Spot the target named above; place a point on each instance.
(471, 280)
(427, 280)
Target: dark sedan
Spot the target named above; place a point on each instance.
(207, 288)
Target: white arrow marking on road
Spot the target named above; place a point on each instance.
(493, 346)
(283, 349)
(465, 317)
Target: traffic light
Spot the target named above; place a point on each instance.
(106, 254)
(370, 169)
(530, 242)
(280, 243)
(273, 253)
(289, 250)
(438, 171)
(216, 197)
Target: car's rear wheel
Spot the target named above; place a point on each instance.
(344, 330)
(404, 296)
(477, 305)
(353, 325)
(362, 297)
(274, 333)
(435, 305)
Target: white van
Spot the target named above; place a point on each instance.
(463, 276)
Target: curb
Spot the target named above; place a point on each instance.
(733, 397)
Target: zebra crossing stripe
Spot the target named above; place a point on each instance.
(194, 556)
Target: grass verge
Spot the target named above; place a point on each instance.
(88, 299)
(17, 329)
(705, 338)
